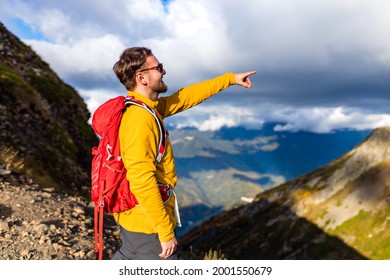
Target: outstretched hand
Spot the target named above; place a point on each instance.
(242, 79)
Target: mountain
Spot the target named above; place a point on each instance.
(219, 170)
(43, 121)
(338, 211)
(45, 157)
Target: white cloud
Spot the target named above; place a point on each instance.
(325, 50)
(323, 120)
(287, 34)
(93, 55)
(215, 117)
(319, 119)
(211, 34)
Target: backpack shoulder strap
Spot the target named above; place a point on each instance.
(130, 100)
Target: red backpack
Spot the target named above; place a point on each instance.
(110, 189)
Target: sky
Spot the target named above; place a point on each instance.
(321, 65)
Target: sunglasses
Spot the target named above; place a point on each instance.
(159, 68)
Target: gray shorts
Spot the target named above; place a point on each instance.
(139, 246)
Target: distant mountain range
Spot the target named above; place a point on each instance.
(340, 210)
(222, 169)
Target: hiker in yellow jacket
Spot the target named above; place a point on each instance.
(147, 230)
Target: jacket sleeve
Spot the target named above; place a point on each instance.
(193, 95)
(138, 145)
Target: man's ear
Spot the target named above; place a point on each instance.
(141, 79)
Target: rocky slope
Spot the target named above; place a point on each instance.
(339, 211)
(37, 223)
(45, 156)
(42, 120)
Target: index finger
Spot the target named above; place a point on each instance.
(250, 73)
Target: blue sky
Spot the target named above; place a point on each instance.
(22, 30)
(322, 65)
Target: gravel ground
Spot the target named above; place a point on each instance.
(38, 223)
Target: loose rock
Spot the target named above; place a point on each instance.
(41, 224)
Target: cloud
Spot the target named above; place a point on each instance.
(318, 119)
(91, 58)
(323, 64)
(324, 120)
(215, 117)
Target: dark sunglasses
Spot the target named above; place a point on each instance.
(159, 68)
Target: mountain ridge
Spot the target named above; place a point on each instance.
(44, 122)
(223, 169)
(329, 213)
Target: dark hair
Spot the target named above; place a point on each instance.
(129, 62)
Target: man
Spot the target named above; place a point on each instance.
(148, 230)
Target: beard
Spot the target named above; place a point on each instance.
(160, 87)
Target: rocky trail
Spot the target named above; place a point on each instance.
(39, 223)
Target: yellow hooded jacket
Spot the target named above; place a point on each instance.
(139, 137)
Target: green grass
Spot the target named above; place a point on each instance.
(370, 232)
(9, 80)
